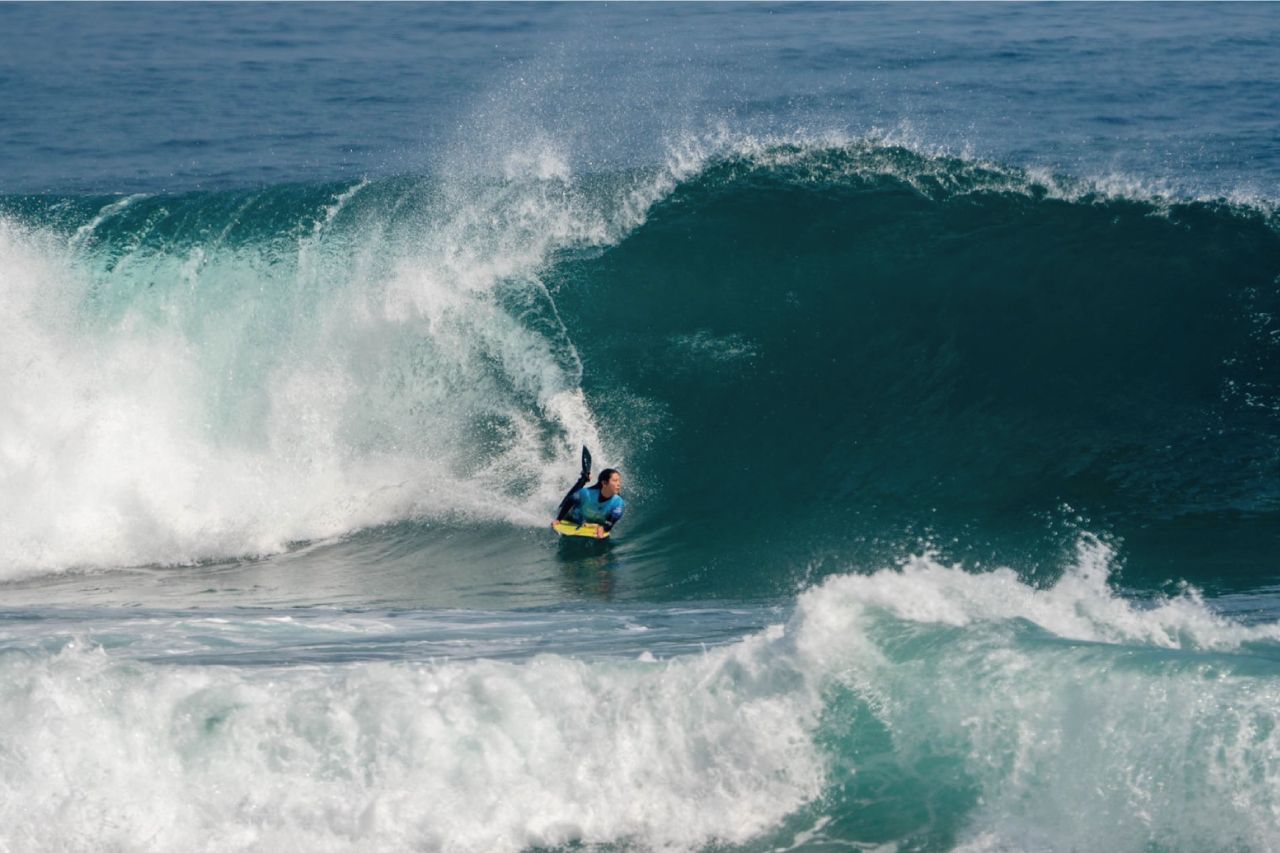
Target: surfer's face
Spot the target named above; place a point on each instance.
(612, 486)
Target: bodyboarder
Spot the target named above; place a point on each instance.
(600, 504)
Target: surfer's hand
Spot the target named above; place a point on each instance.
(599, 532)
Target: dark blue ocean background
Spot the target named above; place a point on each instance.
(938, 345)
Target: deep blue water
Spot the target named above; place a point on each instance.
(938, 346)
(168, 97)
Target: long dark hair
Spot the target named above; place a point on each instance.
(604, 477)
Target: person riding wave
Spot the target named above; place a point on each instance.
(600, 504)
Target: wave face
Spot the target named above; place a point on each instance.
(919, 708)
(803, 357)
(830, 349)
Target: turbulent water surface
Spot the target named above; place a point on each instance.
(939, 348)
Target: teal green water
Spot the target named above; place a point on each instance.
(937, 346)
(930, 463)
(805, 359)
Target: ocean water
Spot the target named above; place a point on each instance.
(938, 346)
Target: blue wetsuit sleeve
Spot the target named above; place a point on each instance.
(614, 516)
(571, 499)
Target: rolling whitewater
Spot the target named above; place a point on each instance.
(951, 443)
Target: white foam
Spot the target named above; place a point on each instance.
(1081, 605)
(107, 453)
(256, 398)
(1071, 718)
(455, 757)
(1083, 733)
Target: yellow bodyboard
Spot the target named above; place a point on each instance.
(568, 528)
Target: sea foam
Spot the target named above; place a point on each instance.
(1057, 718)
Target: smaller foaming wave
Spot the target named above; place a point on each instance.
(1065, 718)
(1080, 606)
(920, 705)
(482, 756)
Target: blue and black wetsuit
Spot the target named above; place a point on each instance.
(584, 506)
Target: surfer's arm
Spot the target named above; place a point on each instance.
(615, 515)
(571, 498)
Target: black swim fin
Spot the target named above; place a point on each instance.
(586, 461)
